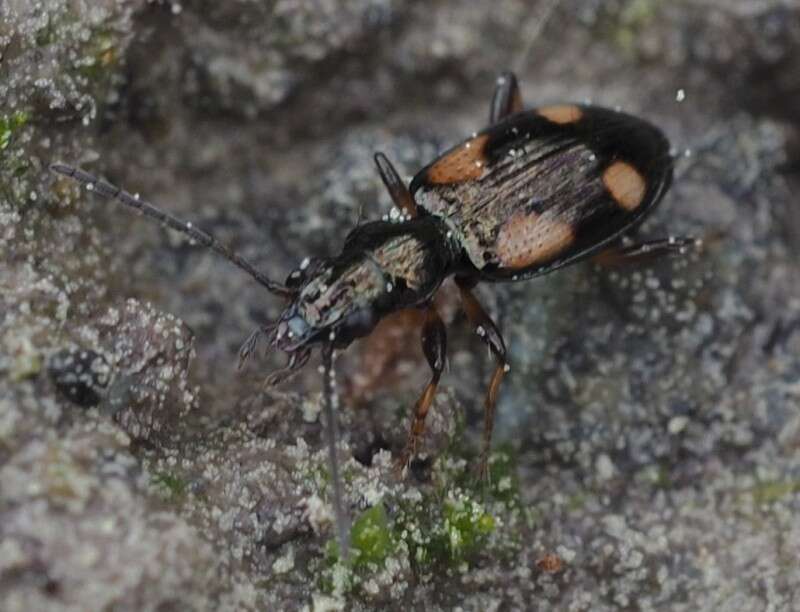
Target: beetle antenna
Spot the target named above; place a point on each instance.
(533, 29)
(115, 193)
(332, 434)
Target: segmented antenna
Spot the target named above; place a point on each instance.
(332, 435)
(115, 193)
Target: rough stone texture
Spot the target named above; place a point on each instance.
(648, 435)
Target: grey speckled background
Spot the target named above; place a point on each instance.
(648, 436)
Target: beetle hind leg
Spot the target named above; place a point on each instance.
(397, 189)
(489, 333)
(507, 99)
(434, 345)
(646, 251)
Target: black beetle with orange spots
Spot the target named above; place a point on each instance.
(535, 191)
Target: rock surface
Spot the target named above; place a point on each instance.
(647, 443)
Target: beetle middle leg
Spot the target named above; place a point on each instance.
(506, 100)
(490, 334)
(434, 345)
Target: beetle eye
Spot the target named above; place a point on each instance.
(295, 279)
(299, 276)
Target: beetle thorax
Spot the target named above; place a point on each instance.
(383, 268)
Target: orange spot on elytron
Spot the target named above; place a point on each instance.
(528, 239)
(465, 163)
(625, 184)
(561, 114)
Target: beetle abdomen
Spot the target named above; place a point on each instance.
(546, 187)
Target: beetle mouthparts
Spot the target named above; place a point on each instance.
(296, 361)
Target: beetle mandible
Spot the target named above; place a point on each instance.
(533, 192)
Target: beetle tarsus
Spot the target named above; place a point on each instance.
(488, 419)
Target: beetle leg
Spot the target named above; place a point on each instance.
(434, 345)
(490, 334)
(506, 100)
(398, 190)
(330, 403)
(644, 251)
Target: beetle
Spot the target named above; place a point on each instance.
(535, 191)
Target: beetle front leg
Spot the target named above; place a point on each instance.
(506, 100)
(490, 334)
(332, 436)
(434, 345)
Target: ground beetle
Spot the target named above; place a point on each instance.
(535, 191)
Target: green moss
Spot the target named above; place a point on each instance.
(372, 538)
(502, 484)
(452, 524)
(9, 124)
(503, 480)
(446, 534)
(434, 533)
(466, 525)
(445, 529)
(372, 541)
(172, 485)
(766, 493)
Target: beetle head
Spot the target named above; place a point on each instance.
(336, 301)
